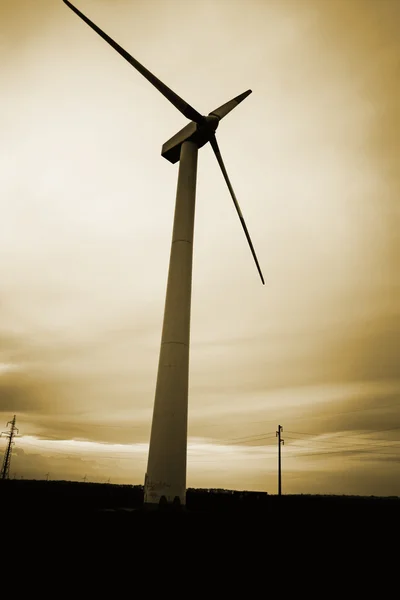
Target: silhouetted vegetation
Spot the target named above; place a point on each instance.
(63, 497)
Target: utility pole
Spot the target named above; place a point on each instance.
(280, 443)
(47, 476)
(5, 470)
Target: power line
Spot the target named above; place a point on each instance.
(333, 444)
(348, 445)
(254, 438)
(345, 444)
(340, 451)
(341, 440)
(365, 431)
(5, 470)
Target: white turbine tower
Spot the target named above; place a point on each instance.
(165, 479)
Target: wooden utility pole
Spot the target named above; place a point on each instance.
(280, 443)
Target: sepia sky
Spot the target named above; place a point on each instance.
(86, 219)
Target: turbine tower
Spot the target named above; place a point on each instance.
(165, 479)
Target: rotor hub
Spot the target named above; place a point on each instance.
(211, 122)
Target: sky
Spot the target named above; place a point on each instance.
(86, 220)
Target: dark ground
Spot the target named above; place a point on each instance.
(66, 533)
(62, 501)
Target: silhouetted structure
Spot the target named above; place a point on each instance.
(165, 479)
(280, 444)
(5, 470)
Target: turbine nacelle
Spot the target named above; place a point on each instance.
(201, 131)
(200, 134)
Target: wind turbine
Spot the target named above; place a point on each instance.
(165, 480)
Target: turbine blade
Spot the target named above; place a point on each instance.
(188, 111)
(214, 144)
(226, 108)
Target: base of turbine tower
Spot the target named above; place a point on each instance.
(165, 506)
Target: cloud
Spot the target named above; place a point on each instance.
(86, 226)
(36, 466)
(21, 24)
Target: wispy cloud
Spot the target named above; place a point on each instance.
(87, 206)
